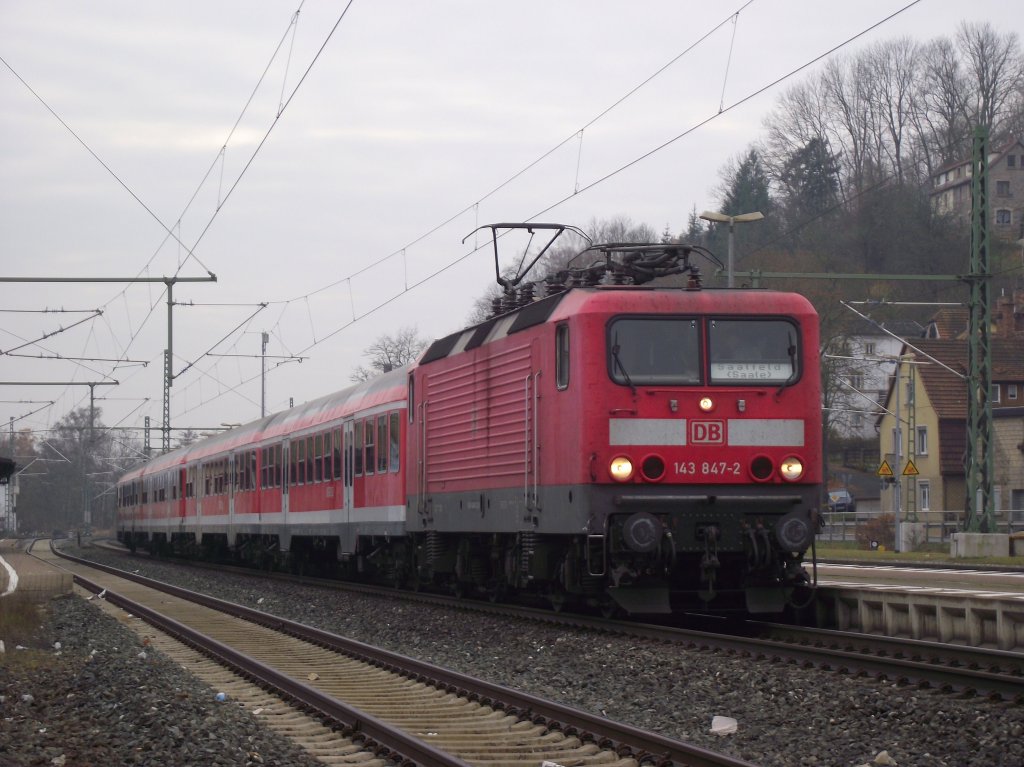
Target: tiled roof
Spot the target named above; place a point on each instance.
(950, 322)
(947, 391)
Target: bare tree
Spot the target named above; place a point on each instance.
(390, 352)
(894, 70)
(942, 114)
(996, 67)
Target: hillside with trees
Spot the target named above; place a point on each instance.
(846, 162)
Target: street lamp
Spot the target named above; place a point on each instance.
(721, 218)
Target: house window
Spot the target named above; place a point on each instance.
(924, 495)
(995, 393)
(922, 440)
(857, 381)
(1002, 188)
(1002, 217)
(869, 348)
(1011, 391)
(1011, 161)
(897, 441)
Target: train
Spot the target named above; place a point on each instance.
(615, 436)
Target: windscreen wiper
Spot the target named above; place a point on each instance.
(618, 364)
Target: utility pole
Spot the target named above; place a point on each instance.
(87, 439)
(168, 352)
(979, 461)
(263, 374)
(263, 357)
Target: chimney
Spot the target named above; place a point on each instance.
(1008, 317)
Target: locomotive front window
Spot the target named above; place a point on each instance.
(654, 351)
(761, 351)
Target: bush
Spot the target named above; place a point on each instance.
(880, 530)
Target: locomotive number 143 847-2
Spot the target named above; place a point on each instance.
(708, 468)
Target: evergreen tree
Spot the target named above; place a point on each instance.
(744, 189)
(810, 182)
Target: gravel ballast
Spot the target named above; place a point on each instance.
(786, 716)
(101, 698)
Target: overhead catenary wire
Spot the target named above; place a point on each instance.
(318, 341)
(170, 233)
(285, 103)
(660, 147)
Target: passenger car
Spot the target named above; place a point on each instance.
(841, 500)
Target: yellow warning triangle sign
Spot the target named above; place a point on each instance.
(910, 470)
(885, 470)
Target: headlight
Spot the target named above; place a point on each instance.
(621, 468)
(791, 468)
(706, 404)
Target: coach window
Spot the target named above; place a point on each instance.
(337, 453)
(654, 351)
(303, 475)
(318, 458)
(411, 403)
(293, 463)
(370, 453)
(382, 443)
(562, 356)
(328, 464)
(309, 459)
(278, 463)
(357, 431)
(394, 445)
(759, 351)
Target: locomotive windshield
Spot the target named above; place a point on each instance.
(660, 351)
(758, 350)
(650, 351)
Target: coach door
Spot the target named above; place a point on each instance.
(232, 483)
(286, 475)
(531, 430)
(349, 459)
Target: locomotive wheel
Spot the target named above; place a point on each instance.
(558, 599)
(496, 591)
(610, 609)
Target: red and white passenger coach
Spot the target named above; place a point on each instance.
(619, 442)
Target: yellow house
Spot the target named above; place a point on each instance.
(925, 448)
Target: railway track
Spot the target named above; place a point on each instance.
(394, 708)
(955, 669)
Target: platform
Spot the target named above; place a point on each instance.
(27, 576)
(976, 618)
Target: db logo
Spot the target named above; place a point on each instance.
(707, 432)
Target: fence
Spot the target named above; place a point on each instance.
(938, 526)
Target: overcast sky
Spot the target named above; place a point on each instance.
(363, 159)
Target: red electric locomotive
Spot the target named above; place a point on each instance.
(645, 448)
(619, 442)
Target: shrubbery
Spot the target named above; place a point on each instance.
(880, 530)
